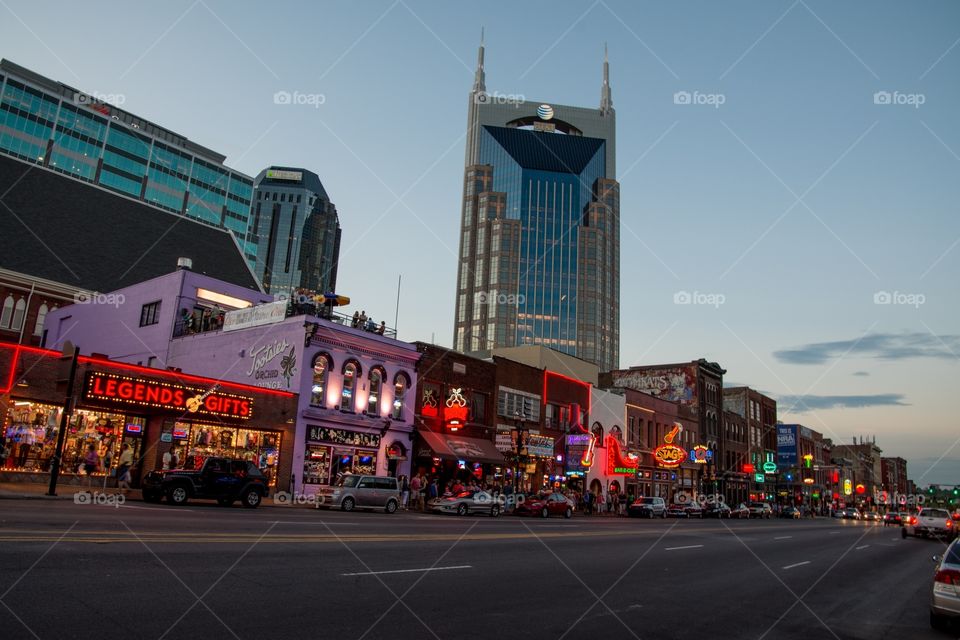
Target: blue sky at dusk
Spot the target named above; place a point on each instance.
(826, 177)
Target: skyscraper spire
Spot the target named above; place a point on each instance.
(606, 98)
(480, 78)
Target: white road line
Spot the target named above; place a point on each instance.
(379, 573)
(799, 564)
(690, 546)
(832, 532)
(783, 537)
(862, 547)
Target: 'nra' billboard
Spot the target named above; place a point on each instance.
(787, 445)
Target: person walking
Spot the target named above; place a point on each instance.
(415, 491)
(404, 492)
(123, 469)
(90, 462)
(422, 493)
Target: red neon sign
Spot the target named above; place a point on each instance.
(164, 395)
(617, 463)
(670, 455)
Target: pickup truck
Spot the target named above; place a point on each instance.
(929, 523)
(222, 479)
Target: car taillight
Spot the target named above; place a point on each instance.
(948, 576)
(949, 524)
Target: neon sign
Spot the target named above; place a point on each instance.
(847, 487)
(700, 454)
(769, 467)
(670, 455)
(617, 463)
(164, 395)
(455, 409)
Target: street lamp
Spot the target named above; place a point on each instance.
(519, 417)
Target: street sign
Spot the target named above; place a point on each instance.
(758, 477)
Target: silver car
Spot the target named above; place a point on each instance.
(945, 597)
(467, 502)
(361, 492)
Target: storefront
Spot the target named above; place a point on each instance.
(331, 453)
(118, 405)
(450, 456)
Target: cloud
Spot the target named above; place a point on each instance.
(861, 373)
(884, 346)
(803, 404)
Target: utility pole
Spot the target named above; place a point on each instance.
(68, 361)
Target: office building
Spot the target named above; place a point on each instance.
(539, 260)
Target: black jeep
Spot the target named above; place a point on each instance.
(220, 479)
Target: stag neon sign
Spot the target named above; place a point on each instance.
(670, 455)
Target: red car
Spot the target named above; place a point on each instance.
(742, 511)
(546, 505)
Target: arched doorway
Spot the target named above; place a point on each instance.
(396, 453)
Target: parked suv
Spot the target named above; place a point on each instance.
(760, 510)
(222, 479)
(361, 492)
(648, 508)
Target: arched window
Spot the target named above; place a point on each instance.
(6, 313)
(350, 372)
(400, 384)
(617, 433)
(377, 375)
(19, 311)
(321, 368)
(597, 432)
(41, 316)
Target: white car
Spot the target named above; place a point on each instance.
(945, 599)
(930, 523)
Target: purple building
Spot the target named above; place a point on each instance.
(354, 412)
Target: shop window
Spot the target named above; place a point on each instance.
(150, 314)
(41, 316)
(197, 442)
(617, 433)
(597, 431)
(350, 372)
(19, 310)
(321, 367)
(373, 397)
(400, 385)
(478, 406)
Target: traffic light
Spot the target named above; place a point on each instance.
(956, 491)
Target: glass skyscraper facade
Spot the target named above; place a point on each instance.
(55, 126)
(540, 229)
(296, 231)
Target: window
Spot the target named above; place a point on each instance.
(321, 365)
(41, 316)
(19, 310)
(617, 433)
(373, 398)
(350, 372)
(150, 314)
(400, 384)
(478, 406)
(597, 432)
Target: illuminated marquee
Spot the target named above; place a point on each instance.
(700, 454)
(164, 395)
(455, 410)
(670, 455)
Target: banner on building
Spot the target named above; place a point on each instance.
(787, 445)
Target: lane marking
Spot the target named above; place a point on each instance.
(689, 546)
(799, 564)
(832, 532)
(862, 547)
(783, 537)
(379, 573)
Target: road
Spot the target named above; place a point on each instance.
(155, 571)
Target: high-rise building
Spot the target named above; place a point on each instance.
(539, 258)
(89, 138)
(295, 230)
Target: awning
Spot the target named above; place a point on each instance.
(454, 447)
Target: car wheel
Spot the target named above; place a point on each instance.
(663, 515)
(390, 507)
(251, 499)
(348, 504)
(224, 502)
(544, 513)
(461, 509)
(938, 622)
(568, 513)
(495, 511)
(178, 495)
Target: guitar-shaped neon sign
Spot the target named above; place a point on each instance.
(588, 455)
(670, 455)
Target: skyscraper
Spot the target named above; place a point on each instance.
(296, 231)
(539, 255)
(89, 138)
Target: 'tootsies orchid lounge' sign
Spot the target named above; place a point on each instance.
(134, 392)
(344, 437)
(670, 455)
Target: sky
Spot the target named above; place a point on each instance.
(791, 165)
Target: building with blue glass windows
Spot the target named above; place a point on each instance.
(296, 232)
(539, 260)
(57, 127)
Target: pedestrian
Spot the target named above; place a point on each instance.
(422, 494)
(382, 327)
(356, 320)
(588, 503)
(404, 492)
(123, 468)
(415, 490)
(90, 462)
(434, 489)
(362, 320)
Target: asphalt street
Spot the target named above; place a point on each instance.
(202, 571)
